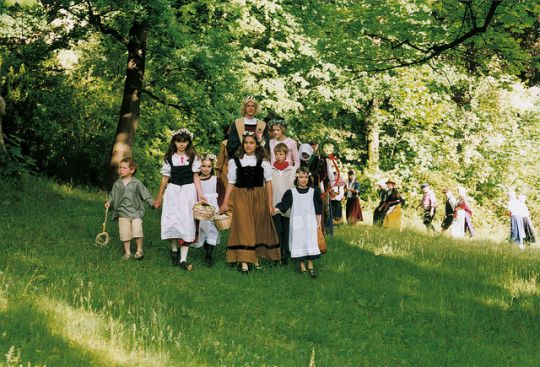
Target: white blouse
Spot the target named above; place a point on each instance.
(245, 161)
(180, 160)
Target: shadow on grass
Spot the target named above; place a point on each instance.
(381, 298)
(28, 329)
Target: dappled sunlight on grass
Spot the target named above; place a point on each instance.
(92, 332)
(518, 286)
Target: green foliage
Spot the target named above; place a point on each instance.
(15, 163)
(448, 122)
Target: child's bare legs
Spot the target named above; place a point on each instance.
(302, 266)
(139, 253)
(312, 272)
(127, 249)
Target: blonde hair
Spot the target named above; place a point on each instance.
(246, 101)
(281, 147)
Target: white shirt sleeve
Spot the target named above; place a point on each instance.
(231, 174)
(267, 170)
(166, 169)
(196, 166)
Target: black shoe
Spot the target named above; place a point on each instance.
(175, 257)
(312, 273)
(184, 265)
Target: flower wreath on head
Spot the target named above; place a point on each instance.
(183, 131)
(208, 157)
(278, 122)
(252, 134)
(308, 173)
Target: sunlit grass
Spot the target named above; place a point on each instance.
(382, 298)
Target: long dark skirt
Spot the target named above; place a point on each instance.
(337, 209)
(530, 235)
(353, 210)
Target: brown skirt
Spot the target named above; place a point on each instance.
(252, 234)
(354, 211)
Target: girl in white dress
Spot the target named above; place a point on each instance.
(306, 208)
(208, 233)
(179, 189)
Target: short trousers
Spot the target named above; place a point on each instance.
(130, 228)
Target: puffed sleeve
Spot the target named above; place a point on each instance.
(196, 166)
(166, 169)
(231, 174)
(267, 170)
(286, 201)
(317, 201)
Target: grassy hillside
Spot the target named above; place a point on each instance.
(382, 298)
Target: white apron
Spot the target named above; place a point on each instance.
(177, 216)
(207, 229)
(303, 227)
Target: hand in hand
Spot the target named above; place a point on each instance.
(157, 203)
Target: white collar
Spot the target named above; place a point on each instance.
(252, 121)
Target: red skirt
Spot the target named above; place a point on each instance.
(354, 211)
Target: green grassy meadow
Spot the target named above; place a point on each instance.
(382, 298)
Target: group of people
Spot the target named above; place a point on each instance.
(279, 195)
(457, 212)
(283, 198)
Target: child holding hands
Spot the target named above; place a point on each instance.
(252, 234)
(283, 176)
(179, 189)
(306, 208)
(127, 200)
(211, 188)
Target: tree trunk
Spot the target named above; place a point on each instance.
(373, 129)
(131, 101)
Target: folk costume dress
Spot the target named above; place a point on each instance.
(252, 234)
(239, 127)
(392, 218)
(180, 195)
(207, 229)
(353, 208)
(305, 205)
(449, 207)
(462, 220)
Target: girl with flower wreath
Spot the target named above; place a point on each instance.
(208, 234)
(179, 189)
(279, 127)
(252, 234)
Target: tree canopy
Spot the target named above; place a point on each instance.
(443, 91)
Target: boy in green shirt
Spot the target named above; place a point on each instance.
(127, 200)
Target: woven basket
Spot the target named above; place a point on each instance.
(222, 221)
(203, 211)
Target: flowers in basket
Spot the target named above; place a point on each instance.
(203, 211)
(222, 221)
